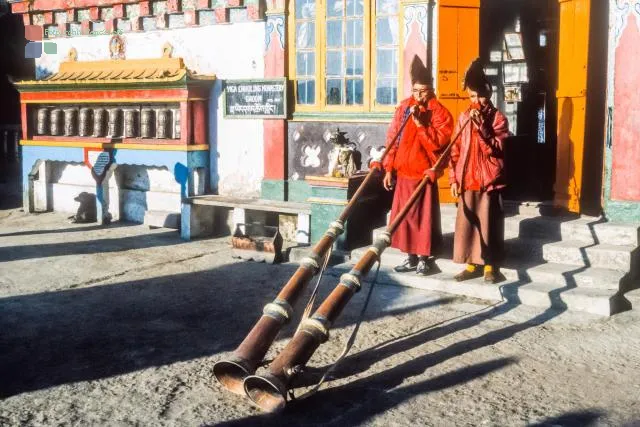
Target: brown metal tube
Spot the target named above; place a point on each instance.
(232, 372)
(269, 391)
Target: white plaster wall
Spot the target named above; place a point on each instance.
(234, 51)
(146, 178)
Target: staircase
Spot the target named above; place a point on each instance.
(552, 261)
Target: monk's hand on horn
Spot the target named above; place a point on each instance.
(431, 174)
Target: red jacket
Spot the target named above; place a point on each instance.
(416, 151)
(487, 155)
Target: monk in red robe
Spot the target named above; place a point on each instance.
(477, 177)
(409, 159)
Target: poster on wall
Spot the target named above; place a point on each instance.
(255, 99)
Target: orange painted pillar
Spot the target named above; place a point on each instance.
(458, 45)
(572, 102)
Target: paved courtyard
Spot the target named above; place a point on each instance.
(121, 325)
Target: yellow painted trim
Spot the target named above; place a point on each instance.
(345, 120)
(68, 144)
(160, 147)
(323, 201)
(121, 146)
(107, 101)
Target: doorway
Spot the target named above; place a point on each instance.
(519, 47)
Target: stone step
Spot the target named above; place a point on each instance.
(561, 227)
(552, 273)
(596, 301)
(536, 250)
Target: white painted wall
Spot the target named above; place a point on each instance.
(234, 51)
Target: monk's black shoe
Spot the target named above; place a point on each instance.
(410, 264)
(423, 267)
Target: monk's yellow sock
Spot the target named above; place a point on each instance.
(488, 268)
(471, 268)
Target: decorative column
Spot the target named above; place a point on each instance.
(275, 130)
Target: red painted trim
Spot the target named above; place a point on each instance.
(109, 25)
(94, 13)
(106, 95)
(173, 6)
(71, 15)
(134, 141)
(21, 7)
(48, 17)
(25, 123)
(53, 5)
(118, 10)
(85, 27)
(26, 19)
(203, 4)
(144, 8)
(69, 138)
(199, 122)
(274, 149)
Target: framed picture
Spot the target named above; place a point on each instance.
(515, 72)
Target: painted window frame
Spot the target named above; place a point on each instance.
(370, 61)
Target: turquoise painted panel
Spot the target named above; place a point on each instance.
(273, 189)
(321, 217)
(329, 192)
(298, 191)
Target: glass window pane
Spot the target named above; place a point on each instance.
(386, 7)
(386, 62)
(355, 32)
(355, 8)
(305, 9)
(306, 91)
(335, 8)
(305, 34)
(334, 33)
(305, 63)
(386, 91)
(334, 91)
(334, 63)
(355, 62)
(387, 30)
(355, 91)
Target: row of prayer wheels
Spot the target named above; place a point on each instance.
(159, 123)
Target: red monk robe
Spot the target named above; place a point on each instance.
(417, 151)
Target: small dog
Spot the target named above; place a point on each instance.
(87, 210)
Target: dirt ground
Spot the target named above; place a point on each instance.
(121, 325)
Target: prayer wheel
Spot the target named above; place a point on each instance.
(84, 122)
(99, 119)
(55, 124)
(70, 121)
(163, 120)
(147, 123)
(42, 127)
(130, 123)
(114, 129)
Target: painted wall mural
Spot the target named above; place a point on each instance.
(310, 145)
(416, 34)
(625, 150)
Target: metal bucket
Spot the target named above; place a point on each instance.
(258, 242)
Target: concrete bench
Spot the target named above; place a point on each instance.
(198, 220)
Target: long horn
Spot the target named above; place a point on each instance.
(269, 391)
(231, 372)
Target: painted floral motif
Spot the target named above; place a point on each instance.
(106, 13)
(188, 4)
(37, 19)
(83, 15)
(132, 11)
(158, 7)
(60, 17)
(416, 13)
